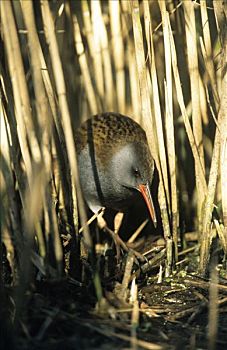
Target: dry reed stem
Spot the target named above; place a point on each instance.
(22, 111)
(12, 134)
(131, 61)
(138, 231)
(134, 82)
(195, 97)
(61, 91)
(58, 136)
(209, 62)
(84, 67)
(123, 292)
(180, 99)
(17, 75)
(141, 68)
(221, 235)
(209, 205)
(212, 329)
(97, 50)
(67, 128)
(94, 58)
(220, 12)
(118, 53)
(109, 91)
(23, 106)
(88, 27)
(135, 314)
(203, 105)
(156, 103)
(42, 107)
(44, 120)
(169, 127)
(147, 121)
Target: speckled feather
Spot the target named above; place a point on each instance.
(103, 128)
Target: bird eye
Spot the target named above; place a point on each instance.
(136, 173)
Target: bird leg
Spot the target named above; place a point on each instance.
(120, 243)
(114, 234)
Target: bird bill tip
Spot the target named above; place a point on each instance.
(146, 193)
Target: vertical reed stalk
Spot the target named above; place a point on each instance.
(169, 127)
(118, 53)
(109, 91)
(220, 12)
(212, 329)
(134, 85)
(97, 49)
(20, 94)
(147, 121)
(209, 61)
(209, 206)
(44, 121)
(84, 67)
(187, 124)
(156, 103)
(67, 128)
(195, 96)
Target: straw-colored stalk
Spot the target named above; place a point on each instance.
(102, 66)
(203, 105)
(212, 329)
(220, 12)
(134, 85)
(208, 57)
(66, 122)
(58, 136)
(88, 27)
(43, 118)
(169, 126)
(147, 122)
(7, 101)
(118, 52)
(191, 40)
(219, 154)
(22, 106)
(101, 33)
(209, 205)
(67, 128)
(156, 102)
(183, 109)
(19, 86)
(131, 60)
(135, 104)
(42, 107)
(135, 314)
(84, 67)
(123, 290)
(94, 58)
(164, 198)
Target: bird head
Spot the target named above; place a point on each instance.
(133, 168)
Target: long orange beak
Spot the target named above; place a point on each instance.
(146, 193)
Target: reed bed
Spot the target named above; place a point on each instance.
(161, 62)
